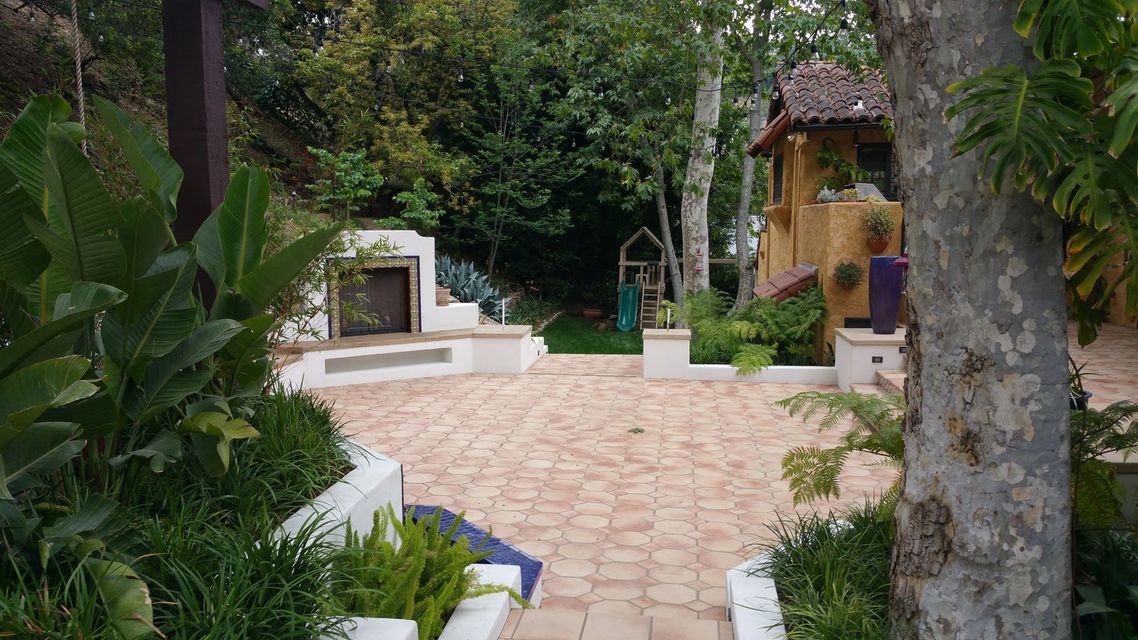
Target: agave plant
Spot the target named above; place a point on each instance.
(106, 334)
(468, 284)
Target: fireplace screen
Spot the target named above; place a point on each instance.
(384, 302)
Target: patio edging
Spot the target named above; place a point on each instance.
(752, 603)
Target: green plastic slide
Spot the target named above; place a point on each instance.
(629, 305)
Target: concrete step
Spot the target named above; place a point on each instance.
(870, 389)
(556, 624)
(891, 380)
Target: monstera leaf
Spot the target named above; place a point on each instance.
(1022, 120)
(1064, 27)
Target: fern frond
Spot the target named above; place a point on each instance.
(870, 412)
(813, 472)
(752, 358)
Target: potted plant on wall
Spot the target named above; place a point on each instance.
(879, 226)
(848, 274)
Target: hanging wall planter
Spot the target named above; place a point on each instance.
(877, 245)
(879, 227)
(885, 279)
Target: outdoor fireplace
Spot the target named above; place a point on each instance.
(388, 299)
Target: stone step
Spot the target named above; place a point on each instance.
(866, 388)
(891, 380)
(557, 624)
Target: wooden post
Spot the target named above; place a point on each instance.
(195, 111)
(195, 108)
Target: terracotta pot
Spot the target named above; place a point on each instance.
(591, 313)
(442, 297)
(877, 245)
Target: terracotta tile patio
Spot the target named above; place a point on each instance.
(1111, 372)
(627, 522)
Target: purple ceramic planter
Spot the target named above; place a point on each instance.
(885, 281)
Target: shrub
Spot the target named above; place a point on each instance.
(130, 348)
(423, 579)
(832, 573)
(215, 582)
(878, 223)
(301, 452)
(762, 333)
(848, 274)
(529, 309)
(1106, 583)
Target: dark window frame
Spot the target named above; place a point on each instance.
(877, 159)
(777, 176)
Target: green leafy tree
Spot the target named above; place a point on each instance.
(521, 162)
(347, 182)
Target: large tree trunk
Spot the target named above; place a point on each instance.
(983, 519)
(666, 236)
(755, 121)
(701, 165)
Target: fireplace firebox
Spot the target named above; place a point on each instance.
(387, 300)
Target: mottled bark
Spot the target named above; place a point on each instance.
(701, 165)
(983, 520)
(666, 236)
(745, 261)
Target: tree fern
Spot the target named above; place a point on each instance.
(814, 472)
(1094, 434)
(875, 428)
(760, 334)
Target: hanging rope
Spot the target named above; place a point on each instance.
(76, 39)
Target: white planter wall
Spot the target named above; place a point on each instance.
(860, 353)
(374, 483)
(667, 354)
(752, 604)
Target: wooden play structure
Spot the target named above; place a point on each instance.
(641, 285)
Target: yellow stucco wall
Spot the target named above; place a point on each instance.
(800, 231)
(831, 233)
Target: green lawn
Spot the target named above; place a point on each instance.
(574, 334)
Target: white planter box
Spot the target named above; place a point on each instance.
(752, 604)
(667, 355)
(374, 483)
(481, 618)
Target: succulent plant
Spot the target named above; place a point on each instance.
(468, 284)
(827, 195)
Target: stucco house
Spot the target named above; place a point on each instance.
(822, 111)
